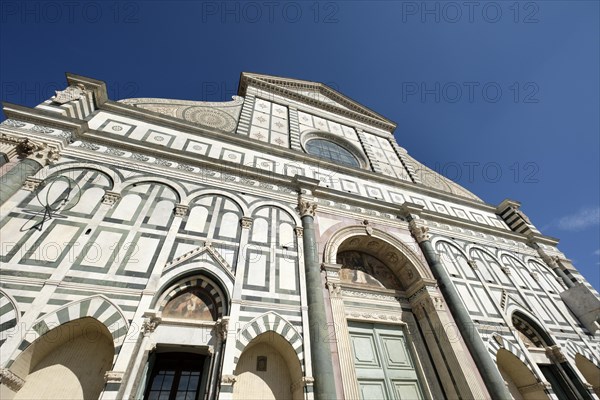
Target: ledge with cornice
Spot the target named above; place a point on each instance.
(40, 116)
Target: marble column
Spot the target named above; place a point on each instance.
(487, 367)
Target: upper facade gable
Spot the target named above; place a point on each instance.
(317, 95)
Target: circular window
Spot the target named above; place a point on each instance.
(331, 152)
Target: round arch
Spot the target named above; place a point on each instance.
(76, 353)
(187, 200)
(338, 238)
(254, 207)
(186, 279)
(522, 382)
(174, 186)
(114, 177)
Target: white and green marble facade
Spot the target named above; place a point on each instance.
(177, 194)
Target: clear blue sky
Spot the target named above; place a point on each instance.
(502, 97)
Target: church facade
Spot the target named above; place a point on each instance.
(281, 245)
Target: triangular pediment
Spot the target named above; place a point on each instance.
(315, 94)
(200, 252)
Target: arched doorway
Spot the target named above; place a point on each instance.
(67, 362)
(379, 355)
(268, 369)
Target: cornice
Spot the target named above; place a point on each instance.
(38, 116)
(46, 118)
(94, 85)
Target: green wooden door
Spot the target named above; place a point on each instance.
(384, 366)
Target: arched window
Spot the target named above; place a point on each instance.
(330, 151)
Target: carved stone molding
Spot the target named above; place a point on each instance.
(228, 379)
(221, 328)
(41, 152)
(370, 316)
(555, 354)
(31, 184)
(110, 198)
(246, 222)
(299, 231)
(418, 230)
(11, 380)
(180, 210)
(113, 376)
(473, 264)
(149, 325)
(306, 207)
(367, 295)
(534, 387)
(368, 227)
(71, 93)
(335, 290)
(304, 381)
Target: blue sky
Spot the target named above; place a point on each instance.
(500, 96)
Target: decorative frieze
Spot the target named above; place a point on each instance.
(370, 316)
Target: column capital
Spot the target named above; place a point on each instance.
(180, 210)
(110, 198)
(31, 183)
(40, 152)
(418, 229)
(306, 207)
(150, 324)
(299, 231)
(221, 328)
(246, 222)
(555, 354)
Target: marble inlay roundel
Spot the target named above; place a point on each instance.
(209, 117)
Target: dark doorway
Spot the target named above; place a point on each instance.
(176, 376)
